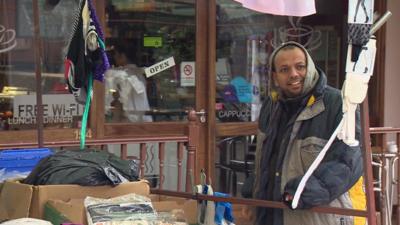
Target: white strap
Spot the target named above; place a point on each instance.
(314, 166)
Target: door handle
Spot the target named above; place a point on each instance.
(202, 115)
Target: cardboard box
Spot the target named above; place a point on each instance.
(23, 200)
(162, 203)
(54, 216)
(74, 209)
(189, 208)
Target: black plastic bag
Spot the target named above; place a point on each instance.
(87, 167)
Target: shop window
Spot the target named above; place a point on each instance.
(140, 34)
(17, 65)
(245, 41)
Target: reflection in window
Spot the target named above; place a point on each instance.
(246, 39)
(234, 162)
(17, 65)
(138, 36)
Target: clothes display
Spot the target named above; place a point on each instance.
(86, 58)
(130, 209)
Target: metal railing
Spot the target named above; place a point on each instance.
(386, 156)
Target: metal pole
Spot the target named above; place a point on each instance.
(367, 163)
(380, 22)
(38, 73)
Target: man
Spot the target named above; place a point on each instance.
(297, 119)
(129, 81)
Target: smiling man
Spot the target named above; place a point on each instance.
(296, 121)
(289, 70)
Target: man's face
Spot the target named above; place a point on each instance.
(119, 58)
(290, 71)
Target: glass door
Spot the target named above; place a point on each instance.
(151, 45)
(157, 50)
(22, 58)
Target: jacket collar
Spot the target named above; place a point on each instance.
(315, 104)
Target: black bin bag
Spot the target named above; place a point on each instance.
(87, 168)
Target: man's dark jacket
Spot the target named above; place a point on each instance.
(292, 133)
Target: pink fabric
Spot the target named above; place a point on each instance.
(281, 7)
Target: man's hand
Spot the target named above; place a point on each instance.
(287, 199)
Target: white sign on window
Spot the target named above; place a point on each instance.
(223, 71)
(188, 74)
(160, 66)
(57, 108)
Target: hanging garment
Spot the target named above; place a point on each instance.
(205, 209)
(223, 211)
(102, 63)
(86, 59)
(131, 85)
(280, 7)
(85, 55)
